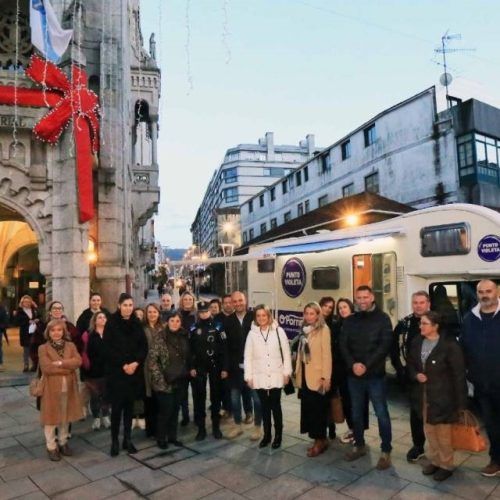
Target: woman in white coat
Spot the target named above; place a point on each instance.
(268, 368)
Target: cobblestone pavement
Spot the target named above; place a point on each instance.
(216, 469)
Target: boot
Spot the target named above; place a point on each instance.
(202, 434)
(127, 445)
(115, 447)
(267, 435)
(217, 434)
(278, 436)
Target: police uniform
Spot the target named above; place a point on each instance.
(209, 358)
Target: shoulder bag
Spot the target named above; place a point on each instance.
(37, 385)
(465, 434)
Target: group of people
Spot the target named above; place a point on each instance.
(139, 364)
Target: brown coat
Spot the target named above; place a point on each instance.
(50, 407)
(320, 365)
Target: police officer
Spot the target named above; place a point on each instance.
(406, 330)
(209, 358)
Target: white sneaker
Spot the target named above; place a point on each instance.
(106, 422)
(96, 425)
(347, 438)
(141, 423)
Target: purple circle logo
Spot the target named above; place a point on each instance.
(293, 277)
(488, 248)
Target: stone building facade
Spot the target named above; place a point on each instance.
(44, 249)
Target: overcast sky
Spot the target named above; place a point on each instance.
(235, 69)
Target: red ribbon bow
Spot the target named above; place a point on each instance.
(68, 99)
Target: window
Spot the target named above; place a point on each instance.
(322, 200)
(291, 182)
(446, 239)
(272, 193)
(274, 172)
(465, 147)
(348, 190)
(261, 200)
(230, 195)
(370, 135)
(326, 278)
(306, 206)
(263, 228)
(250, 206)
(306, 173)
(245, 237)
(346, 150)
(371, 183)
(326, 164)
(274, 223)
(298, 178)
(265, 265)
(487, 158)
(287, 216)
(230, 175)
(284, 187)
(300, 209)
(250, 234)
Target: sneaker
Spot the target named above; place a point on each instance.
(141, 423)
(106, 422)
(347, 438)
(442, 474)
(236, 431)
(491, 470)
(384, 462)
(415, 454)
(355, 453)
(430, 469)
(248, 419)
(96, 424)
(256, 434)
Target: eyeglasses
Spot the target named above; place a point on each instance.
(57, 308)
(425, 323)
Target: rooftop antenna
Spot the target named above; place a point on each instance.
(446, 77)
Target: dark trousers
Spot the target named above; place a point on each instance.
(270, 401)
(97, 390)
(150, 415)
(121, 406)
(183, 397)
(489, 403)
(417, 428)
(168, 415)
(226, 397)
(199, 385)
(376, 389)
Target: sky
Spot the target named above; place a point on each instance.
(233, 70)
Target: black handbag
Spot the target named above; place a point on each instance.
(289, 388)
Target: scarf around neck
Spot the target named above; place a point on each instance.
(305, 352)
(58, 346)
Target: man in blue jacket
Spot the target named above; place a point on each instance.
(481, 342)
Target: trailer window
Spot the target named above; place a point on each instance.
(265, 266)
(326, 278)
(447, 239)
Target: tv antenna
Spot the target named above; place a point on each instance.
(446, 77)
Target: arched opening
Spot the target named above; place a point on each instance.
(141, 135)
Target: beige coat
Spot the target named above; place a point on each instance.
(50, 405)
(320, 365)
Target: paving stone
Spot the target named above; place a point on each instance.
(361, 466)
(57, 480)
(323, 493)
(325, 475)
(127, 495)
(109, 467)
(496, 492)
(37, 495)
(16, 430)
(376, 484)
(163, 458)
(97, 490)
(278, 464)
(7, 442)
(411, 472)
(192, 466)
(192, 488)
(420, 492)
(235, 477)
(13, 455)
(17, 488)
(28, 467)
(224, 495)
(468, 484)
(32, 438)
(146, 481)
(282, 488)
(331, 454)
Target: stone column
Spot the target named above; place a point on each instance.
(154, 141)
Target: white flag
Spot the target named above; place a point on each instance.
(46, 32)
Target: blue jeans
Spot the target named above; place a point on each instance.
(240, 391)
(376, 389)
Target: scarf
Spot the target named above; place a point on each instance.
(58, 347)
(304, 351)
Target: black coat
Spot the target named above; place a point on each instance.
(125, 342)
(188, 319)
(445, 389)
(83, 321)
(366, 337)
(340, 370)
(236, 334)
(96, 352)
(22, 320)
(208, 347)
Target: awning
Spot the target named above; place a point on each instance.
(324, 245)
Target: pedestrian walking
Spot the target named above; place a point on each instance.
(313, 372)
(60, 401)
(268, 368)
(365, 342)
(436, 363)
(27, 317)
(126, 350)
(480, 339)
